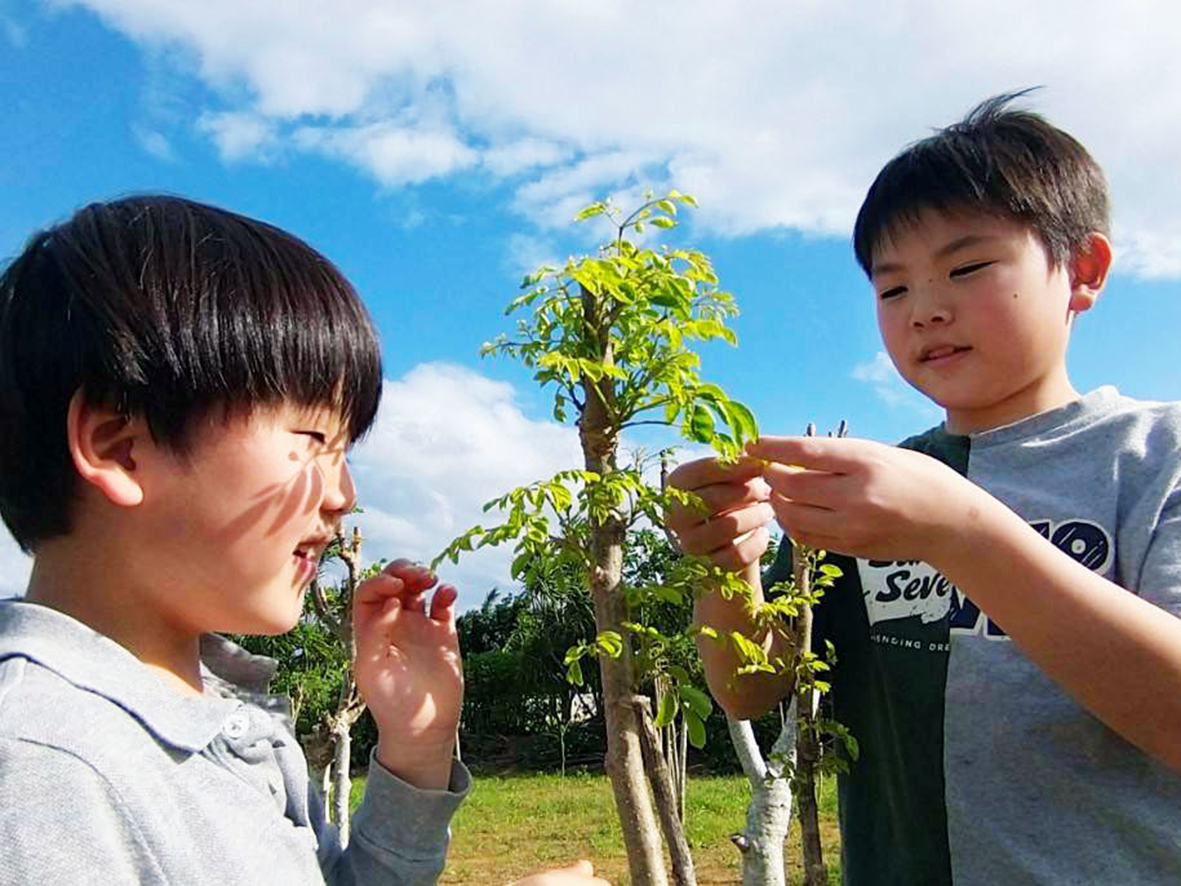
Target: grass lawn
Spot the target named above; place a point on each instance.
(514, 824)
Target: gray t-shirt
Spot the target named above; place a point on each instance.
(975, 767)
(109, 777)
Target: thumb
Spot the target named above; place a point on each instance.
(582, 867)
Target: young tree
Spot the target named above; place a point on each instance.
(609, 332)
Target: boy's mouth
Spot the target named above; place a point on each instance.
(940, 352)
(310, 550)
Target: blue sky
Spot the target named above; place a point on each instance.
(437, 150)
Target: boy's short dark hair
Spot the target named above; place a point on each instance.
(1007, 163)
(165, 308)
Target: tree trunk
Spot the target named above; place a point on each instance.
(768, 817)
(341, 783)
(624, 761)
(666, 797)
(598, 432)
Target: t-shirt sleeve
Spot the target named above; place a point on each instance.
(62, 822)
(1159, 578)
(399, 834)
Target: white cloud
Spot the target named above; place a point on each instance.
(891, 387)
(14, 567)
(239, 136)
(525, 154)
(154, 143)
(446, 441)
(774, 115)
(393, 154)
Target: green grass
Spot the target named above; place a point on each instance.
(513, 824)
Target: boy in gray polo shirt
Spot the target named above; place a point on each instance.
(179, 387)
(1006, 626)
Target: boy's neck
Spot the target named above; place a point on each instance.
(1012, 410)
(88, 590)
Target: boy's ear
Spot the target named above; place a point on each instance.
(1088, 272)
(103, 445)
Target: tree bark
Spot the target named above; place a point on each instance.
(768, 817)
(666, 797)
(598, 433)
(341, 783)
(624, 761)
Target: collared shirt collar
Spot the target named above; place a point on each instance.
(95, 663)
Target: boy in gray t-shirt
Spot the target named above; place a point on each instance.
(179, 387)
(1006, 627)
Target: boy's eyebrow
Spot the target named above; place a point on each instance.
(944, 251)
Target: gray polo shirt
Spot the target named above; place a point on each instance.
(109, 777)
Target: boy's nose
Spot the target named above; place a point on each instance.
(340, 495)
(930, 311)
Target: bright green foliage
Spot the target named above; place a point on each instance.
(614, 330)
(626, 314)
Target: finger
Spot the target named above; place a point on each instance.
(376, 590)
(724, 529)
(582, 866)
(416, 576)
(800, 518)
(741, 553)
(833, 454)
(818, 488)
(704, 471)
(443, 603)
(721, 497)
(373, 626)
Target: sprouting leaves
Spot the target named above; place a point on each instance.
(613, 333)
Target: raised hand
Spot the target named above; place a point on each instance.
(865, 499)
(732, 529)
(409, 670)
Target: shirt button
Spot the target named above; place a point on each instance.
(236, 725)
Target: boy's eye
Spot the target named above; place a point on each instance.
(968, 269)
(891, 292)
(315, 435)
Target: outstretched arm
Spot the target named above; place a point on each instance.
(1120, 658)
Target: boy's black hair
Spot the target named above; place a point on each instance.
(1008, 163)
(165, 308)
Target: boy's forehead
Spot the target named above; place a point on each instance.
(937, 231)
(317, 416)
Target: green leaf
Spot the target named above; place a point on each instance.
(661, 222)
(696, 729)
(678, 673)
(667, 205)
(742, 422)
(611, 643)
(574, 673)
(697, 700)
(666, 711)
(519, 565)
(590, 211)
(701, 425)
